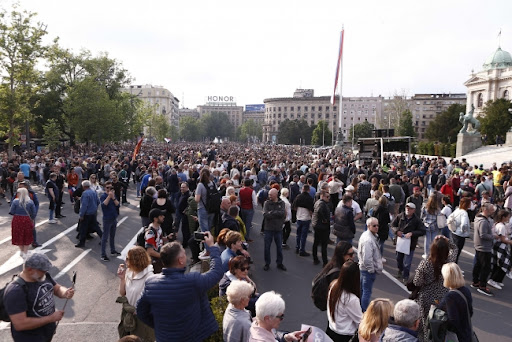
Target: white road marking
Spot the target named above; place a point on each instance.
(468, 253)
(72, 263)
(57, 237)
(10, 237)
(129, 245)
(16, 260)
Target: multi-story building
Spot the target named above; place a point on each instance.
(425, 107)
(222, 104)
(164, 101)
(254, 112)
(491, 83)
(304, 105)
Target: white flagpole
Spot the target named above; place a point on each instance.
(340, 80)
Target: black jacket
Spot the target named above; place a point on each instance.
(344, 226)
(321, 219)
(412, 225)
(304, 200)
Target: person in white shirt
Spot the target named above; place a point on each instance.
(343, 305)
(356, 208)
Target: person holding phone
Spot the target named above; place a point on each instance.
(174, 302)
(110, 208)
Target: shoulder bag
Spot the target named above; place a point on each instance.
(474, 338)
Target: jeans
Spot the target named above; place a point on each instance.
(482, 268)
(381, 247)
(322, 239)
(175, 197)
(404, 262)
(247, 215)
(145, 221)
(277, 236)
(302, 234)
(52, 214)
(459, 242)
(287, 229)
(430, 234)
(367, 280)
(446, 232)
(137, 186)
(205, 219)
(109, 233)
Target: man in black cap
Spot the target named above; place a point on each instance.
(154, 237)
(29, 301)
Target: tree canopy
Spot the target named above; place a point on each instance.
(497, 120)
(445, 127)
(361, 130)
(295, 132)
(321, 135)
(405, 127)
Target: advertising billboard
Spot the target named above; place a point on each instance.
(255, 108)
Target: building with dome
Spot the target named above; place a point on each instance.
(493, 82)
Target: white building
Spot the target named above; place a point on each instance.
(493, 82)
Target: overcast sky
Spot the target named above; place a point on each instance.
(254, 50)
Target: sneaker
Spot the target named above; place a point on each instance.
(52, 221)
(104, 258)
(281, 267)
(285, 246)
(304, 254)
(475, 285)
(316, 261)
(485, 291)
(204, 256)
(424, 256)
(509, 275)
(266, 267)
(115, 253)
(384, 260)
(494, 284)
(399, 275)
(500, 284)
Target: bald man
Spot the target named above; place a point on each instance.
(274, 214)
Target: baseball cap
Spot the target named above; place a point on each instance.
(155, 213)
(411, 205)
(349, 188)
(38, 261)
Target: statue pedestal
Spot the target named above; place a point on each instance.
(467, 143)
(508, 140)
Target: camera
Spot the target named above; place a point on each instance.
(199, 236)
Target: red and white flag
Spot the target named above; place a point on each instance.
(137, 147)
(338, 66)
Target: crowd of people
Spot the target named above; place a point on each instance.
(203, 197)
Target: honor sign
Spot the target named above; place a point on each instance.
(220, 100)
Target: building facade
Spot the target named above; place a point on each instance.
(222, 104)
(255, 113)
(305, 106)
(425, 107)
(164, 101)
(493, 82)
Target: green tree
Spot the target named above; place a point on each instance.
(295, 132)
(250, 130)
(496, 120)
(158, 126)
(190, 129)
(362, 130)
(51, 135)
(321, 135)
(21, 48)
(217, 124)
(405, 128)
(445, 126)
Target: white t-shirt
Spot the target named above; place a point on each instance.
(134, 284)
(347, 316)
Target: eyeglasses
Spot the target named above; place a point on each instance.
(243, 269)
(281, 317)
(375, 225)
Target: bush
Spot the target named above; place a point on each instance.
(453, 150)
(430, 148)
(218, 305)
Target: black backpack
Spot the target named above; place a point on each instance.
(213, 199)
(3, 313)
(320, 289)
(141, 237)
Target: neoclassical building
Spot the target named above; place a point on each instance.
(491, 83)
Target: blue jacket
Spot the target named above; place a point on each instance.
(110, 210)
(176, 304)
(18, 210)
(89, 203)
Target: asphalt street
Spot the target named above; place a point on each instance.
(93, 314)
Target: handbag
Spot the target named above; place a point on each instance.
(441, 221)
(415, 290)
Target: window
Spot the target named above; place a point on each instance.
(312, 108)
(480, 100)
(327, 115)
(326, 108)
(305, 107)
(298, 108)
(291, 108)
(298, 116)
(285, 108)
(279, 109)
(335, 108)
(505, 94)
(319, 115)
(305, 116)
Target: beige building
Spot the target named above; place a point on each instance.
(304, 105)
(164, 101)
(493, 82)
(224, 104)
(255, 113)
(425, 107)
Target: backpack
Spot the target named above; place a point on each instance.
(451, 222)
(213, 199)
(320, 289)
(3, 313)
(262, 196)
(141, 237)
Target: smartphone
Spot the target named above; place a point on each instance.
(199, 236)
(306, 335)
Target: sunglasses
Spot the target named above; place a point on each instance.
(375, 225)
(281, 317)
(243, 269)
(108, 187)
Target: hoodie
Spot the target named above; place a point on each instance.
(483, 238)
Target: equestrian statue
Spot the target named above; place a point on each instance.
(469, 119)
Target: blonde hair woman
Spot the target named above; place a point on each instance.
(375, 320)
(22, 225)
